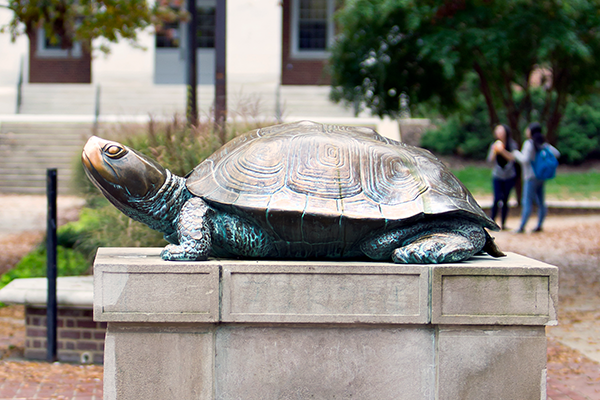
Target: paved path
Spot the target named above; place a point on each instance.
(33, 380)
(25, 213)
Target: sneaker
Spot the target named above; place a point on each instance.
(538, 229)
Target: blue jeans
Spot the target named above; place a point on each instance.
(533, 190)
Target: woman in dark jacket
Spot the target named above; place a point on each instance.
(504, 174)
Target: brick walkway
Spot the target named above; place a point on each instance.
(571, 376)
(36, 380)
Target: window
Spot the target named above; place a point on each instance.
(169, 34)
(312, 28)
(205, 32)
(47, 49)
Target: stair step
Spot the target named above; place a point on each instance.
(27, 150)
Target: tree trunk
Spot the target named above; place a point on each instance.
(512, 112)
(554, 119)
(487, 93)
(560, 85)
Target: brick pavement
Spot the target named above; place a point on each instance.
(38, 380)
(571, 376)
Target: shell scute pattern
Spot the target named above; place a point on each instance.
(331, 171)
(324, 166)
(256, 167)
(389, 176)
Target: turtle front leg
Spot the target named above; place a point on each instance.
(193, 233)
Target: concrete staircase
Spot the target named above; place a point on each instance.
(67, 99)
(28, 149)
(167, 100)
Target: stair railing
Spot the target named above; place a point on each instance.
(96, 110)
(20, 88)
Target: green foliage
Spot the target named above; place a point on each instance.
(579, 134)
(379, 55)
(466, 133)
(68, 21)
(33, 265)
(426, 49)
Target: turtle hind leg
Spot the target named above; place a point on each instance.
(435, 248)
(442, 246)
(436, 241)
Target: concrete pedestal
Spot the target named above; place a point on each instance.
(265, 330)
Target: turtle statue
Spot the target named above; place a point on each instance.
(299, 191)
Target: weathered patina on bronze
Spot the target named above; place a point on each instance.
(302, 191)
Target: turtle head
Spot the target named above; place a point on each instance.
(123, 175)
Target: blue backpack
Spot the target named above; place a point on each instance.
(544, 165)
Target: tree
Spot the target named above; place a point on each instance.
(68, 21)
(505, 42)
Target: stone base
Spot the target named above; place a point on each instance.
(321, 330)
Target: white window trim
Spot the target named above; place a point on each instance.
(44, 52)
(295, 52)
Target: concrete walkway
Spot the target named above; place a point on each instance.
(25, 213)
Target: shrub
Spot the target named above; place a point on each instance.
(466, 134)
(579, 134)
(69, 263)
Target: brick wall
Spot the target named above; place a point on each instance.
(78, 335)
(299, 71)
(58, 70)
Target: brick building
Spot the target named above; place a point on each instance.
(283, 41)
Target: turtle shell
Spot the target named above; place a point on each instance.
(330, 173)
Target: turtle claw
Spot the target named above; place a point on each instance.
(180, 253)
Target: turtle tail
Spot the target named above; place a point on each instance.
(490, 246)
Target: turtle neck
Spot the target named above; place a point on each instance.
(161, 211)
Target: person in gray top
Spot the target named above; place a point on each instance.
(504, 174)
(533, 188)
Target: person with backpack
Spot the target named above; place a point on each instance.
(538, 161)
(504, 173)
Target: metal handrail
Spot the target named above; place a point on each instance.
(96, 110)
(20, 88)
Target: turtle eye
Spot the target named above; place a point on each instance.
(114, 151)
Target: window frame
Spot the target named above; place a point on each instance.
(48, 52)
(295, 51)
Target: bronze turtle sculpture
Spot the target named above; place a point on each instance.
(299, 191)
